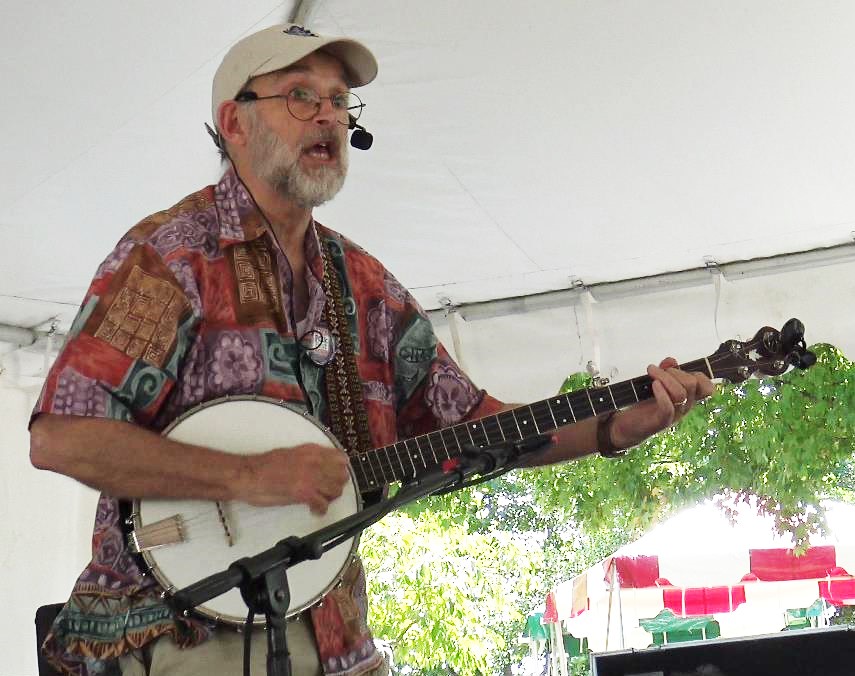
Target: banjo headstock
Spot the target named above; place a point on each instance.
(770, 352)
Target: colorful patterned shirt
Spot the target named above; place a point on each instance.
(193, 304)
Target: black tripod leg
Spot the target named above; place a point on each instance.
(278, 656)
(279, 598)
(269, 594)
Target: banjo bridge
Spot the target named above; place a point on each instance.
(168, 531)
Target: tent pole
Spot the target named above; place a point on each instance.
(632, 287)
(452, 317)
(559, 657)
(612, 570)
(620, 612)
(303, 12)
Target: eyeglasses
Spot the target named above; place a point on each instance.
(304, 103)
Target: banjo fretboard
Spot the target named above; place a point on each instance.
(406, 459)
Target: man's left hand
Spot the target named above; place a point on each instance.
(674, 394)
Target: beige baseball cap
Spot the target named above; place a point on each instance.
(280, 46)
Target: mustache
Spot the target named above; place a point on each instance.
(327, 136)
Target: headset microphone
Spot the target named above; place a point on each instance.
(360, 138)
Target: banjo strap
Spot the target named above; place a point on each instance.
(348, 418)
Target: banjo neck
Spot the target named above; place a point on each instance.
(404, 460)
(770, 352)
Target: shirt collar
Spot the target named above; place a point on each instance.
(241, 221)
(312, 247)
(238, 216)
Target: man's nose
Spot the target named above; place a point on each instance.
(327, 112)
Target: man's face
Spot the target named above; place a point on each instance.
(304, 161)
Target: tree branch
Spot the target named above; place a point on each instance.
(401, 635)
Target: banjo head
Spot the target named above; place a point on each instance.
(183, 541)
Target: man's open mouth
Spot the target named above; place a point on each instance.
(324, 150)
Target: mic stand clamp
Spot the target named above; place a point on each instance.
(505, 455)
(491, 462)
(265, 591)
(269, 594)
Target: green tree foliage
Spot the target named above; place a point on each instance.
(492, 554)
(783, 443)
(451, 578)
(442, 595)
(845, 615)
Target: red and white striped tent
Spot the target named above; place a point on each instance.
(697, 563)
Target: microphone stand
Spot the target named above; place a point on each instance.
(263, 578)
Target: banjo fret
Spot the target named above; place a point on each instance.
(438, 436)
(430, 448)
(404, 474)
(374, 475)
(379, 463)
(367, 480)
(411, 457)
(449, 441)
(391, 464)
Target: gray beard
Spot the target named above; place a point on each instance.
(277, 164)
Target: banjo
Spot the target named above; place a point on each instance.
(183, 541)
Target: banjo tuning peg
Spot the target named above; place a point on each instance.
(802, 358)
(792, 334)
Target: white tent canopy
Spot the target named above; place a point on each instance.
(520, 148)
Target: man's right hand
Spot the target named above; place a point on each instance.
(307, 474)
(125, 460)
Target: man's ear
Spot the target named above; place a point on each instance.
(232, 128)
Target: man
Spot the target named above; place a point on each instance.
(233, 291)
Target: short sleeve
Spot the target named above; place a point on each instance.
(125, 347)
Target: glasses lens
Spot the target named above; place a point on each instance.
(303, 103)
(353, 104)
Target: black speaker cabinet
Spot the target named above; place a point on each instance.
(806, 652)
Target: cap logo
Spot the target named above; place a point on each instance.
(300, 31)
